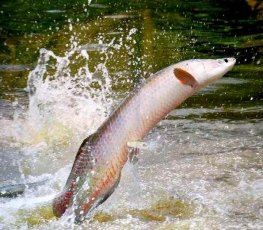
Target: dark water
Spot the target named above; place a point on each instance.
(212, 159)
(168, 31)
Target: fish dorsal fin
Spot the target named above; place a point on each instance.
(84, 162)
(83, 159)
(86, 143)
(185, 77)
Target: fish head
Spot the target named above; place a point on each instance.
(201, 72)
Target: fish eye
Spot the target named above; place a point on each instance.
(226, 60)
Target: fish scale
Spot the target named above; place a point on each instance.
(101, 157)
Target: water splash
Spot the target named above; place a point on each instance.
(57, 93)
(67, 102)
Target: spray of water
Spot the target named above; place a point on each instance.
(67, 102)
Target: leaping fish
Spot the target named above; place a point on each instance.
(98, 164)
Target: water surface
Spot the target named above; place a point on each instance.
(65, 66)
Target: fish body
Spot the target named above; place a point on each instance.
(101, 157)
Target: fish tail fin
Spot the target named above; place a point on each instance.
(61, 203)
(82, 164)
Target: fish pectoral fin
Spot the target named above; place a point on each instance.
(134, 150)
(133, 155)
(185, 77)
(136, 144)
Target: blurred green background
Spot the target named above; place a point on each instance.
(166, 32)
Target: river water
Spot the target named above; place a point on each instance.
(65, 66)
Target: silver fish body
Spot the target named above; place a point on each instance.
(101, 157)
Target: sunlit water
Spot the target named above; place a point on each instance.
(212, 170)
(202, 166)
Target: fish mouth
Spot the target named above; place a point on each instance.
(226, 65)
(216, 69)
(230, 62)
